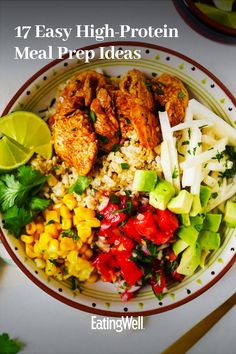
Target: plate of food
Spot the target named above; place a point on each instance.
(117, 184)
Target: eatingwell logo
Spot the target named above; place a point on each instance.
(117, 324)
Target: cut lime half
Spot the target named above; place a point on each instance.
(23, 133)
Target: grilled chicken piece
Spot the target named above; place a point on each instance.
(169, 92)
(106, 125)
(137, 104)
(123, 106)
(75, 141)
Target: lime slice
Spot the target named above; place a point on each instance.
(12, 154)
(225, 5)
(29, 131)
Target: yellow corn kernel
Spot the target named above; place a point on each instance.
(94, 222)
(52, 181)
(72, 257)
(79, 244)
(93, 278)
(53, 248)
(83, 213)
(83, 249)
(58, 276)
(89, 253)
(90, 239)
(37, 249)
(70, 201)
(51, 215)
(39, 227)
(52, 230)
(27, 239)
(29, 250)
(66, 224)
(31, 228)
(67, 244)
(65, 212)
(50, 269)
(40, 263)
(84, 232)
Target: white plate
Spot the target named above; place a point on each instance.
(38, 93)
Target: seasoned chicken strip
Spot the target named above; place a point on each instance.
(105, 122)
(137, 103)
(169, 92)
(75, 141)
(123, 107)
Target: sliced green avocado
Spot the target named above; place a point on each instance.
(144, 181)
(188, 233)
(179, 246)
(209, 240)
(196, 206)
(230, 214)
(190, 260)
(197, 221)
(161, 195)
(205, 193)
(184, 219)
(182, 203)
(204, 255)
(212, 222)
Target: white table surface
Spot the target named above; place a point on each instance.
(44, 324)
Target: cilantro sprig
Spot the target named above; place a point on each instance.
(19, 199)
(9, 346)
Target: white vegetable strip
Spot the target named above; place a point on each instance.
(166, 162)
(191, 124)
(229, 193)
(171, 146)
(188, 114)
(219, 166)
(208, 140)
(206, 155)
(220, 126)
(210, 181)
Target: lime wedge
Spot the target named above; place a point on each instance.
(28, 130)
(12, 154)
(225, 5)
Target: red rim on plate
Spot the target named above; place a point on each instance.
(53, 293)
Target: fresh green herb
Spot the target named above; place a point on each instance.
(80, 185)
(124, 166)
(214, 195)
(56, 168)
(128, 193)
(160, 83)
(73, 129)
(114, 199)
(189, 133)
(160, 296)
(127, 120)
(203, 126)
(189, 152)
(154, 74)
(175, 173)
(230, 172)
(9, 346)
(158, 279)
(127, 210)
(186, 142)
(159, 91)
(73, 283)
(102, 138)
(210, 149)
(194, 150)
(50, 222)
(117, 134)
(219, 156)
(70, 233)
(179, 153)
(148, 85)
(19, 202)
(199, 144)
(99, 216)
(181, 95)
(122, 223)
(38, 204)
(54, 261)
(115, 148)
(93, 116)
(152, 247)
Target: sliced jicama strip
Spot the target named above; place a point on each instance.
(208, 140)
(219, 166)
(222, 197)
(206, 155)
(188, 114)
(190, 124)
(220, 126)
(210, 181)
(165, 161)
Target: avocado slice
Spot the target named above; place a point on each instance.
(212, 222)
(179, 246)
(197, 221)
(182, 203)
(205, 193)
(196, 206)
(184, 219)
(190, 260)
(161, 195)
(230, 214)
(188, 233)
(204, 255)
(144, 181)
(209, 240)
